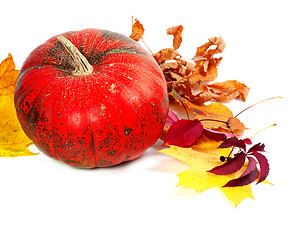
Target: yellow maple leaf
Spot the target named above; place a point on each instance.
(13, 141)
(203, 156)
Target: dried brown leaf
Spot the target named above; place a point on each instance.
(165, 55)
(229, 90)
(204, 52)
(220, 92)
(176, 31)
(204, 71)
(137, 31)
(190, 79)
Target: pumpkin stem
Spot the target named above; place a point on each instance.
(82, 66)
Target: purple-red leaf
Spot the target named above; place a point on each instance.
(233, 141)
(259, 147)
(172, 117)
(215, 135)
(251, 166)
(183, 133)
(243, 180)
(231, 166)
(247, 141)
(263, 164)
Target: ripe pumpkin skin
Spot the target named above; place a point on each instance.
(98, 120)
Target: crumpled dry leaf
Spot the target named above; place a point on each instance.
(137, 31)
(190, 79)
(13, 141)
(176, 31)
(220, 92)
(166, 54)
(203, 52)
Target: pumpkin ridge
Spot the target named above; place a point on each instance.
(98, 120)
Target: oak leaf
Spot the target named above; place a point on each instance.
(13, 141)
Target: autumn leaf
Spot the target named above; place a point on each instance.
(176, 31)
(183, 133)
(234, 164)
(203, 156)
(231, 166)
(218, 112)
(13, 141)
(190, 79)
(172, 117)
(137, 31)
(210, 137)
(166, 54)
(234, 141)
(244, 179)
(220, 92)
(204, 50)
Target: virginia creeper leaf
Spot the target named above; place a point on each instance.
(172, 117)
(247, 141)
(204, 156)
(259, 147)
(244, 180)
(215, 135)
(250, 167)
(183, 133)
(233, 142)
(231, 166)
(264, 165)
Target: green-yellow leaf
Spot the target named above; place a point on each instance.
(13, 141)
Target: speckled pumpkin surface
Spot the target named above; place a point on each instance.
(101, 119)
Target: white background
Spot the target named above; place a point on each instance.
(41, 198)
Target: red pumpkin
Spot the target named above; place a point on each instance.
(97, 104)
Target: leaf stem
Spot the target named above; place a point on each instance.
(146, 45)
(256, 104)
(215, 120)
(273, 125)
(187, 114)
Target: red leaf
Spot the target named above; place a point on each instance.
(247, 141)
(183, 133)
(231, 166)
(215, 135)
(259, 147)
(233, 141)
(251, 166)
(172, 117)
(243, 180)
(264, 165)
